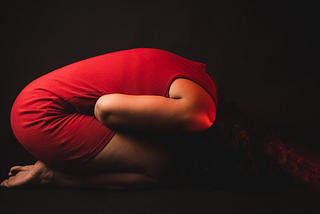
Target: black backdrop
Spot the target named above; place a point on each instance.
(263, 54)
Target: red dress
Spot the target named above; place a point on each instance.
(53, 116)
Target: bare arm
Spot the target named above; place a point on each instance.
(189, 109)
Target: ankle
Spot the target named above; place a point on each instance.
(48, 177)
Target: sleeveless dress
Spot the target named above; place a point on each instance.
(53, 116)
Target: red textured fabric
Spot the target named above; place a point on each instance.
(53, 116)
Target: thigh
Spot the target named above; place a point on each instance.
(54, 132)
(130, 151)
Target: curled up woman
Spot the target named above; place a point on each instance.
(141, 118)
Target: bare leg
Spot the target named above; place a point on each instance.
(42, 175)
(107, 180)
(127, 162)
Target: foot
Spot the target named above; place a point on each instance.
(38, 174)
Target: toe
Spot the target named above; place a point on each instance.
(4, 183)
(14, 170)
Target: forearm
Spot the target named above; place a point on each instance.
(146, 113)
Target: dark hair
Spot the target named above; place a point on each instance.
(239, 154)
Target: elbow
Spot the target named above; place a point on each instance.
(103, 111)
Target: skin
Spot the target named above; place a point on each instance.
(130, 160)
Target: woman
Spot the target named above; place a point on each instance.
(110, 121)
(133, 119)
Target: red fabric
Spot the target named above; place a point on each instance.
(53, 116)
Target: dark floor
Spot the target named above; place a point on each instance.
(176, 200)
(184, 199)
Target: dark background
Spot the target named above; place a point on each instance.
(263, 54)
